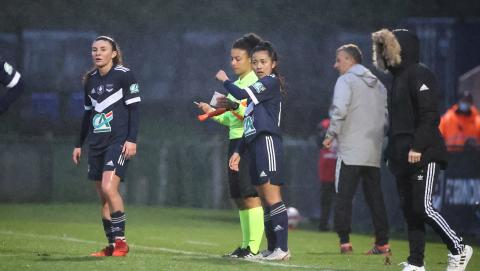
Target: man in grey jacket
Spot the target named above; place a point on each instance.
(359, 120)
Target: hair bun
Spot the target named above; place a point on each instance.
(252, 39)
(247, 42)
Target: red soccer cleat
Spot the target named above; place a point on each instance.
(107, 251)
(346, 248)
(121, 248)
(380, 250)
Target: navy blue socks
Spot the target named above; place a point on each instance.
(118, 225)
(279, 225)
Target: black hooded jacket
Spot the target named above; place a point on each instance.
(413, 110)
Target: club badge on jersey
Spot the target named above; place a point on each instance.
(259, 87)
(134, 88)
(101, 122)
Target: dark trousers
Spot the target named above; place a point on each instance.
(347, 181)
(415, 191)
(327, 193)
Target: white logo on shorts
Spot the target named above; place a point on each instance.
(110, 163)
(278, 228)
(263, 174)
(424, 87)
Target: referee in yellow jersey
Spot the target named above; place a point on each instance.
(241, 190)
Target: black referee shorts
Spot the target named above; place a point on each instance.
(239, 181)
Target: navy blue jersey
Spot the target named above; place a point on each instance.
(9, 77)
(264, 106)
(109, 97)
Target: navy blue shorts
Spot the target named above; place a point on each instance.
(266, 158)
(110, 159)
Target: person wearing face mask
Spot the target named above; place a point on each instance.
(460, 125)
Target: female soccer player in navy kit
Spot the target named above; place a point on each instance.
(262, 137)
(111, 122)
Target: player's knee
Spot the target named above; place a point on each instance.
(252, 202)
(240, 204)
(271, 200)
(108, 189)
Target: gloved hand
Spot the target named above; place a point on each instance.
(224, 102)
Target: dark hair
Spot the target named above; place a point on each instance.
(268, 46)
(353, 51)
(247, 42)
(117, 60)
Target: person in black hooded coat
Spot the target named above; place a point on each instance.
(415, 152)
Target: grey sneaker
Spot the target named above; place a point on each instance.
(262, 254)
(459, 262)
(278, 255)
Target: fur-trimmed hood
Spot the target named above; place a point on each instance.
(395, 49)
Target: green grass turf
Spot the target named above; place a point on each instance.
(60, 237)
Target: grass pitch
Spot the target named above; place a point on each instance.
(60, 237)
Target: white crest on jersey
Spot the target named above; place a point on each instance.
(100, 90)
